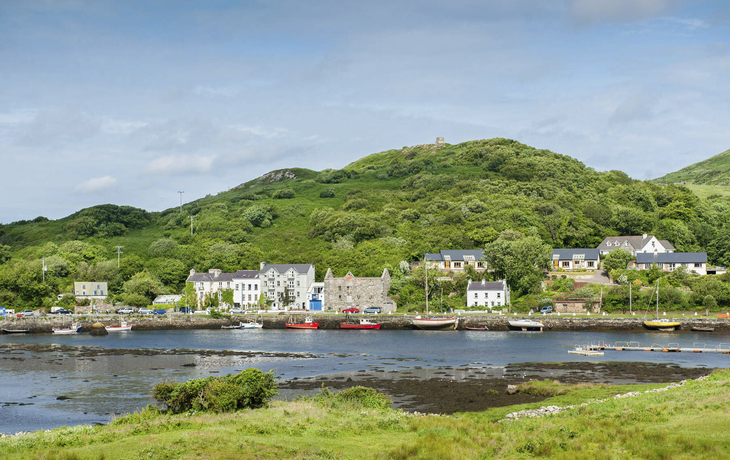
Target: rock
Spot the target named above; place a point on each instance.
(98, 329)
(512, 389)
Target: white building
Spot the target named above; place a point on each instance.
(213, 282)
(91, 289)
(488, 294)
(694, 261)
(635, 245)
(163, 299)
(457, 260)
(246, 288)
(286, 285)
(315, 297)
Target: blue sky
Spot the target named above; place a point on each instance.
(129, 102)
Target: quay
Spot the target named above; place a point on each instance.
(697, 347)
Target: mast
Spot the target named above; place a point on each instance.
(657, 299)
(425, 266)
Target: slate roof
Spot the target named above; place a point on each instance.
(282, 268)
(210, 277)
(637, 242)
(671, 258)
(456, 254)
(486, 286)
(567, 254)
(246, 274)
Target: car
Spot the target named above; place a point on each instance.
(545, 310)
(160, 311)
(351, 310)
(237, 311)
(186, 310)
(375, 310)
(63, 311)
(26, 313)
(125, 310)
(145, 311)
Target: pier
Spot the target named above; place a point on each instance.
(697, 347)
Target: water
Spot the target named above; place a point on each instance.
(99, 386)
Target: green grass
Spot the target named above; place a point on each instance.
(691, 422)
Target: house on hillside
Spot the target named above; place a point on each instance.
(286, 285)
(575, 259)
(668, 262)
(91, 289)
(488, 294)
(167, 299)
(246, 288)
(635, 245)
(457, 260)
(358, 292)
(212, 283)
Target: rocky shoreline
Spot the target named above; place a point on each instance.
(593, 323)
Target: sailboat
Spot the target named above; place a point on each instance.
(433, 322)
(661, 324)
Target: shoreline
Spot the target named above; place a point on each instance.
(553, 323)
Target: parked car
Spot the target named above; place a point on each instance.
(125, 310)
(202, 312)
(161, 311)
(375, 310)
(351, 310)
(186, 310)
(237, 311)
(547, 309)
(26, 313)
(63, 311)
(145, 311)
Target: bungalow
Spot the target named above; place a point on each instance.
(635, 244)
(167, 299)
(457, 260)
(489, 294)
(575, 259)
(694, 261)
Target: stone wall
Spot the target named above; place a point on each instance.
(358, 292)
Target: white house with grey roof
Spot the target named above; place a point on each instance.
(635, 244)
(668, 262)
(490, 294)
(575, 259)
(212, 283)
(246, 288)
(286, 285)
(457, 260)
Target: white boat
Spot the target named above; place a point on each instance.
(241, 325)
(435, 323)
(526, 324)
(585, 352)
(122, 328)
(74, 329)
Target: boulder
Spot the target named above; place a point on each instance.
(512, 389)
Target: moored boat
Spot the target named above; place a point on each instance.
(307, 324)
(703, 329)
(471, 328)
(74, 329)
(15, 331)
(661, 324)
(585, 352)
(123, 327)
(362, 324)
(435, 323)
(526, 325)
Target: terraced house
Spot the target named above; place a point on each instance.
(457, 260)
(212, 283)
(575, 259)
(286, 285)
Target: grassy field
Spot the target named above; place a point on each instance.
(689, 422)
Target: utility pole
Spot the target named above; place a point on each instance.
(191, 224)
(44, 270)
(119, 254)
(180, 193)
(629, 297)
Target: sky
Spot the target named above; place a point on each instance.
(131, 102)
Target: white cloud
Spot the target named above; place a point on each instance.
(171, 164)
(96, 184)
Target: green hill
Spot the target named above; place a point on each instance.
(376, 212)
(713, 171)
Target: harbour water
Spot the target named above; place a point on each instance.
(49, 381)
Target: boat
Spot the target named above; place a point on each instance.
(242, 325)
(585, 352)
(307, 324)
(435, 323)
(74, 329)
(703, 329)
(526, 325)
(661, 324)
(362, 324)
(15, 331)
(470, 328)
(121, 328)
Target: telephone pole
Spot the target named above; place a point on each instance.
(44, 270)
(191, 224)
(119, 254)
(180, 193)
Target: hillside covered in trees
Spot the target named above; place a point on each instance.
(382, 210)
(712, 171)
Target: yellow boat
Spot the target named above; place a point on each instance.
(661, 324)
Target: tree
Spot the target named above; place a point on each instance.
(144, 284)
(519, 259)
(617, 259)
(4, 253)
(162, 248)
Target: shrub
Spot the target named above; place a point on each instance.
(251, 388)
(367, 398)
(284, 194)
(327, 193)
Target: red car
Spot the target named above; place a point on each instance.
(351, 310)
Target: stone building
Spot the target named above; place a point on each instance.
(359, 292)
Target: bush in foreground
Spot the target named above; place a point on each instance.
(251, 388)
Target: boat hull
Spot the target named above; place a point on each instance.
(483, 328)
(118, 328)
(67, 331)
(435, 323)
(15, 331)
(662, 325)
(526, 325)
(359, 326)
(302, 326)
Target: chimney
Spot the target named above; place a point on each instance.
(261, 267)
(215, 272)
(644, 235)
(484, 282)
(192, 271)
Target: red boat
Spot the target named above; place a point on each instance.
(363, 324)
(307, 324)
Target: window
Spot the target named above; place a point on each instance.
(653, 244)
(97, 286)
(228, 284)
(457, 264)
(101, 292)
(480, 264)
(249, 297)
(476, 295)
(94, 292)
(83, 293)
(83, 286)
(291, 284)
(297, 283)
(698, 265)
(499, 294)
(278, 283)
(255, 297)
(249, 287)
(236, 286)
(255, 287)
(608, 243)
(220, 284)
(590, 263)
(297, 294)
(566, 264)
(265, 284)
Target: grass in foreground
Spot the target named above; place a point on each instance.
(691, 422)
